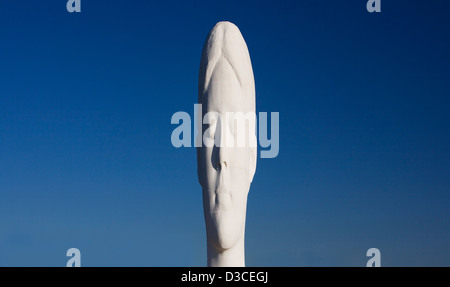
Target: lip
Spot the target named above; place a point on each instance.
(221, 192)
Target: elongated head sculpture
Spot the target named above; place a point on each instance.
(226, 163)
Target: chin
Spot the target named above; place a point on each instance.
(228, 228)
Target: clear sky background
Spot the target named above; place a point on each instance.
(86, 159)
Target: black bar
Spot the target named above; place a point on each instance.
(202, 276)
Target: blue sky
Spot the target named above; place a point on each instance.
(86, 159)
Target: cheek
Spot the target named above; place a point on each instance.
(237, 180)
(206, 172)
(239, 169)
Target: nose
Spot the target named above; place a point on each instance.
(221, 158)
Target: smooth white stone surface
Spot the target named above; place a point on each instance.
(226, 84)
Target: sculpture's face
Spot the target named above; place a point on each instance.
(225, 172)
(225, 176)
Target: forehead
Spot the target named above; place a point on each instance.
(224, 93)
(226, 81)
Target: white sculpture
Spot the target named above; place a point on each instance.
(226, 84)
